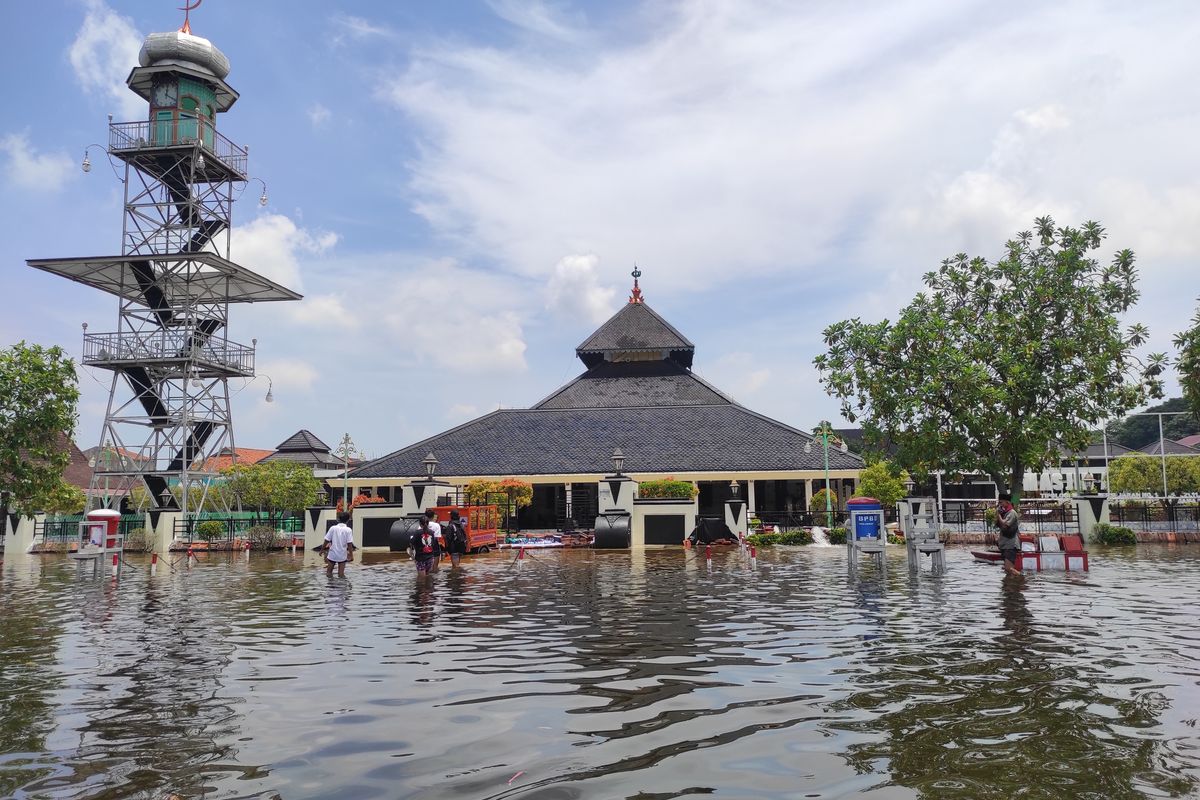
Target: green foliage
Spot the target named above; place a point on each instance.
(798, 536)
(38, 395)
(1114, 535)
(882, 480)
(818, 500)
(998, 365)
(990, 516)
(667, 489)
(271, 486)
(210, 529)
(1142, 473)
(265, 537)
(1188, 364)
(138, 540)
(1138, 431)
(836, 535)
(64, 498)
(482, 492)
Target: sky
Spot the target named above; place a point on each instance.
(460, 190)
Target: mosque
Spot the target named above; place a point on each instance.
(639, 395)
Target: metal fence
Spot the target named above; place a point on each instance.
(1155, 515)
(1038, 517)
(66, 528)
(232, 526)
(790, 520)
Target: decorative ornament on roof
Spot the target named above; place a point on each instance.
(636, 296)
(187, 8)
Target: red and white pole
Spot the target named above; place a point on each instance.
(708, 556)
(116, 562)
(753, 557)
(521, 557)
(247, 549)
(191, 558)
(153, 564)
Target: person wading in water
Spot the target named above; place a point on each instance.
(1009, 537)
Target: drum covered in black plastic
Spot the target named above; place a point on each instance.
(612, 531)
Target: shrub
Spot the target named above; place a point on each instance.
(264, 537)
(836, 535)
(818, 500)
(894, 539)
(989, 516)
(137, 540)
(668, 488)
(783, 537)
(1114, 535)
(210, 529)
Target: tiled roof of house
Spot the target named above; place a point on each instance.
(78, 472)
(635, 383)
(302, 440)
(663, 439)
(1170, 447)
(245, 455)
(1190, 441)
(635, 328)
(313, 457)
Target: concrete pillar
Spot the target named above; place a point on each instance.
(161, 525)
(1090, 509)
(750, 499)
(316, 522)
(18, 533)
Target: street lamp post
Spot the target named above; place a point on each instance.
(345, 448)
(823, 430)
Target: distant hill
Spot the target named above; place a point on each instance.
(1135, 432)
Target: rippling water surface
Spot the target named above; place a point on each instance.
(602, 675)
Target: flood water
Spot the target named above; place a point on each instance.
(602, 675)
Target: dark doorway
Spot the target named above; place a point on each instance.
(542, 512)
(664, 529)
(713, 495)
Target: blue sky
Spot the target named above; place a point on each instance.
(460, 190)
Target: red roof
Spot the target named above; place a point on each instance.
(1190, 441)
(245, 455)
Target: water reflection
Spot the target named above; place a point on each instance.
(600, 674)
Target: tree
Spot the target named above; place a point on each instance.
(38, 395)
(272, 486)
(996, 367)
(65, 498)
(1138, 430)
(1188, 343)
(884, 481)
(1137, 473)
(483, 492)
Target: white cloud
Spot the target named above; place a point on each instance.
(574, 290)
(728, 141)
(288, 374)
(453, 318)
(538, 17)
(318, 115)
(321, 310)
(461, 412)
(348, 27)
(272, 244)
(29, 169)
(104, 51)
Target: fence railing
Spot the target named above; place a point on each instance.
(173, 133)
(66, 529)
(232, 526)
(170, 345)
(789, 520)
(1155, 515)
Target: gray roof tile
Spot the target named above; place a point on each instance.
(634, 383)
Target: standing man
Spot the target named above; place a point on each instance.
(1009, 536)
(339, 545)
(456, 538)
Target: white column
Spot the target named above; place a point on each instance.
(750, 507)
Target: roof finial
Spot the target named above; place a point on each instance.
(187, 8)
(636, 297)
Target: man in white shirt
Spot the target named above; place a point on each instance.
(339, 545)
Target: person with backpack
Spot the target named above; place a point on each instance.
(426, 547)
(456, 539)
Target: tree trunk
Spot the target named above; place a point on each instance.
(1016, 483)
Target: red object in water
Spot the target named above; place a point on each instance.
(991, 556)
(111, 520)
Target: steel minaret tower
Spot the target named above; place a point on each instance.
(171, 355)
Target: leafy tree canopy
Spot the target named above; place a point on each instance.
(884, 481)
(1138, 431)
(38, 395)
(1188, 343)
(999, 365)
(1138, 473)
(271, 486)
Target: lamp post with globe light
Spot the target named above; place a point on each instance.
(824, 430)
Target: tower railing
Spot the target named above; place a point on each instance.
(125, 136)
(115, 350)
